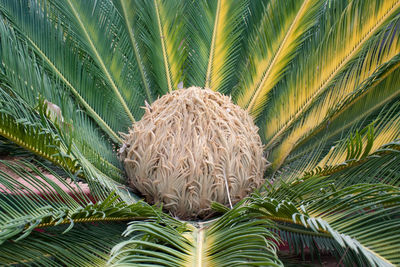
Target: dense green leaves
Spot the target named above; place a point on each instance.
(362, 217)
(238, 238)
(52, 248)
(60, 56)
(35, 200)
(330, 75)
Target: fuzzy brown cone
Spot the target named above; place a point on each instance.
(193, 146)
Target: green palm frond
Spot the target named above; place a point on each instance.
(50, 142)
(59, 57)
(51, 248)
(235, 239)
(162, 38)
(151, 243)
(36, 201)
(362, 217)
(128, 13)
(53, 140)
(273, 44)
(239, 230)
(215, 49)
(33, 131)
(356, 113)
(107, 45)
(332, 72)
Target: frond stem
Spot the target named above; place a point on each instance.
(300, 231)
(290, 221)
(89, 220)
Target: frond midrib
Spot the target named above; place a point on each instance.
(276, 56)
(88, 220)
(347, 105)
(301, 231)
(101, 62)
(136, 50)
(212, 47)
(163, 47)
(198, 253)
(92, 112)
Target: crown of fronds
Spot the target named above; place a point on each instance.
(320, 78)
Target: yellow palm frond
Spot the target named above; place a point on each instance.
(332, 64)
(172, 50)
(223, 45)
(364, 102)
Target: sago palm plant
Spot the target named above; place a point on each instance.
(320, 79)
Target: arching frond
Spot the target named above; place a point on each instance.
(60, 57)
(370, 151)
(33, 131)
(234, 239)
(32, 200)
(363, 217)
(377, 93)
(359, 84)
(26, 114)
(48, 141)
(273, 44)
(380, 167)
(215, 46)
(344, 65)
(52, 248)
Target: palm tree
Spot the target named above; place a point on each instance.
(320, 78)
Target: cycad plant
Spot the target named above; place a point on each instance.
(320, 78)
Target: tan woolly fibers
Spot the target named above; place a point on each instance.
(193, 146)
